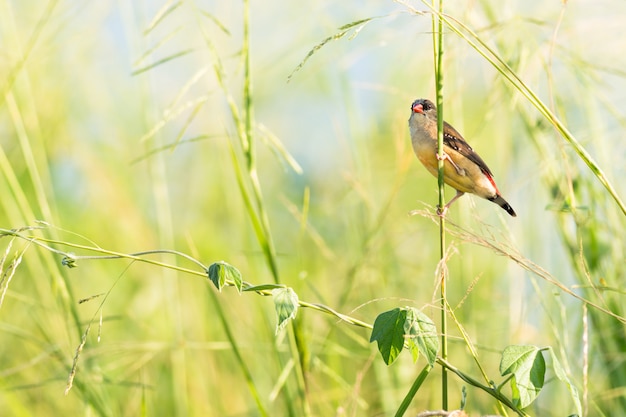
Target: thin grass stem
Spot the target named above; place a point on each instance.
(235, 348)
(437, 24)
(472, 350)
(488, 389)
(414, 388)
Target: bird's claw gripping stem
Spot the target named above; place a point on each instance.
(445, 156)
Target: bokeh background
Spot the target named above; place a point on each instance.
(115, 132)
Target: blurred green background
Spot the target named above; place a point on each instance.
(115, 131)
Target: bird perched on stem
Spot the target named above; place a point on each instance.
(464, 170)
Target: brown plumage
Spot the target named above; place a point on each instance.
(465, 171)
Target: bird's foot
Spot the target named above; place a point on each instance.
(441, 212)
(445, 156)
(442, 157)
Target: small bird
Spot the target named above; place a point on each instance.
(465, 171)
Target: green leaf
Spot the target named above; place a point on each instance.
(414, 349)
(392, 328)
(277, 147)
(221, 272)
(286, 303)
(515, 394)
(562, 376)
(263, 287)
(528, 367)
(69, 262)
(388, 331)
(422, 335)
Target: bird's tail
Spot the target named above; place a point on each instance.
(504, 204)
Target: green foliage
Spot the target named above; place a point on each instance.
(388, 332)
(394, 328)
(528, 368)
(421, 335)
(220, 272)
(286, 304)
(563, 377)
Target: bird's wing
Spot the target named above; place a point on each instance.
(453, 139)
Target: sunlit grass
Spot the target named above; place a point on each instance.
(165, 127)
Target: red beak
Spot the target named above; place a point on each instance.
(418, 108)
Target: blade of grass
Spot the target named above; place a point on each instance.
(156, 46)
(169, 146)
(172, 113)
(250, 187)
(343, 31)
(24, 53)
(161, 14)
(413, 390)
(190, 119)
(161, 61)
(279, 149)
(216, 21)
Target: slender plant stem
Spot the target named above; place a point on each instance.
(416, 386)
(473, 352)
(265, 237)
(26, 51)
(488, 389)
(249, 143)
(240, 360)
(249, 149)
(437, 24)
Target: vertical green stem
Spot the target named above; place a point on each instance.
(414, 388)
(238, 356)
(438, 41)
(250, 148)
(265, 237)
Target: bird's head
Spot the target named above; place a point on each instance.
(424, 106)
(423, 113)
